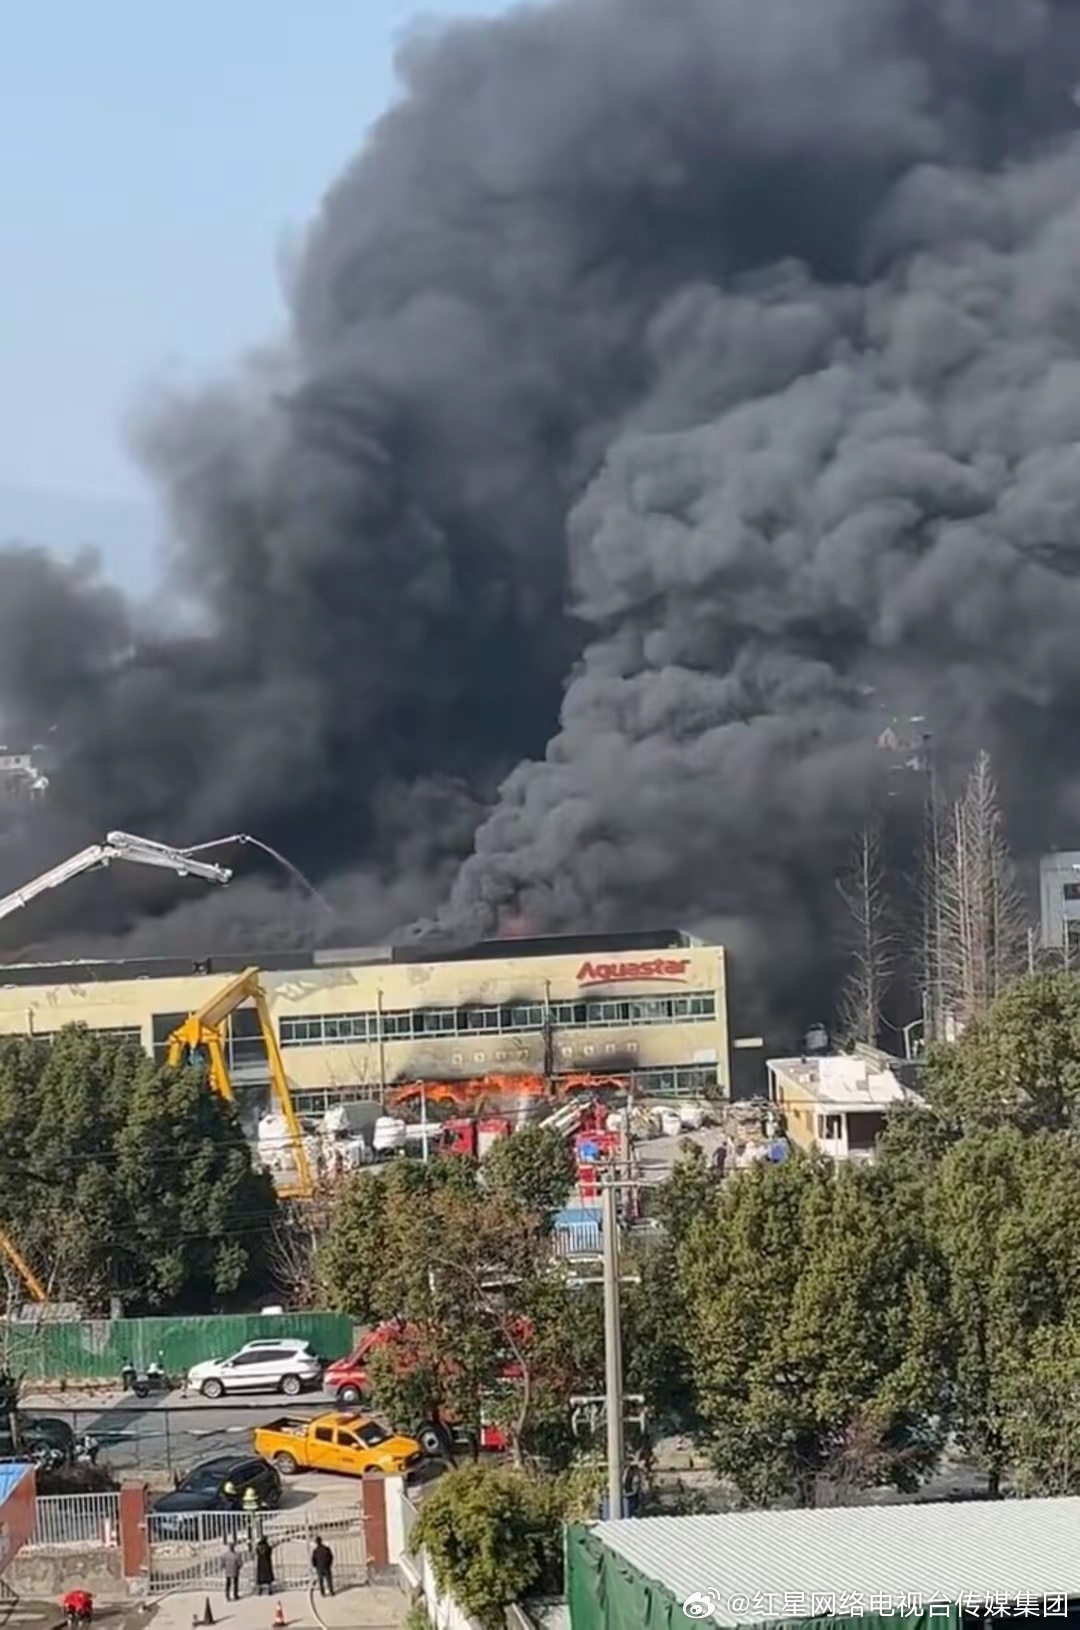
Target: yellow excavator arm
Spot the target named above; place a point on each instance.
(22, 1268)
(202, 1035)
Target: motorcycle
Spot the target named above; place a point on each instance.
(143, 1382)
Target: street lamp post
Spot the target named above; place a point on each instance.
(613, 1377)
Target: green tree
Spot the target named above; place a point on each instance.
(1042, 1416)
(534, 1166)
(466, 1269)
(813, 1336)
(688, 1191)
(1003, 1212)
(493, 1536)
(1019, 1064)
(657, 1361)
(563, 1349)
(125, 1179)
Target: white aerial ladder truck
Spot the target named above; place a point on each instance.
(117, 846)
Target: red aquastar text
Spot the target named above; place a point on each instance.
(611, 973)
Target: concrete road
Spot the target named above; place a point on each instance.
(172, 1432)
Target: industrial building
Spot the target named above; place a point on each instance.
(838, 1103)
(912, 1567)
(352, 1024)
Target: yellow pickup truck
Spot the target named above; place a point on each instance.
(353, 1444)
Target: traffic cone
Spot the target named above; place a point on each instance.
(279, 1617)
(207, 1615)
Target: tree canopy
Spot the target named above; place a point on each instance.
(121, 1178)
(494, 1536)
(1019, 1064)
(466, 1266)
(815, 1343)
(534, 1166)
(1003, 1209)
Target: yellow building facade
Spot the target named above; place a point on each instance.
(351, 1024)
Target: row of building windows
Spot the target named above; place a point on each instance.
(115, 1032)
(243, 1043)
(659, 1081)
(425, 1024)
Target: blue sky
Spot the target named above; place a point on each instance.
(154, 161)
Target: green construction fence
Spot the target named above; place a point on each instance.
(96, 1349)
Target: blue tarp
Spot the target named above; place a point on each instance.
(11, 1476)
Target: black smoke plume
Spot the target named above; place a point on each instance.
(674, 391)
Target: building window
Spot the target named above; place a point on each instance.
(830, 1128)
(162, 1026)
(321, 1099)
(115, 1032)
(1070, 891)
(479, 1018)
(606, 1013)
(513, 1018)
(300, 1032)
(344, 1027)
(435, 1021)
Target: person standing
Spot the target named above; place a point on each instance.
(322, 1560)
(264, 1566)
(250, 1507)
(231, 1564)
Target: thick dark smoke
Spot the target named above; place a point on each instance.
(675, 390)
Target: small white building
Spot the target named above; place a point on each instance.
(1059, 900)
(838, 1103)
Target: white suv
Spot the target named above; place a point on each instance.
(285, 1366)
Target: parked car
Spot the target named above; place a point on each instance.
(259, 1368)
(47, 1432)
(290, 1343)
(352, 1444)
(203, 1489)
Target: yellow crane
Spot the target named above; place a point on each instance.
(202, 1035)
(22, 1267)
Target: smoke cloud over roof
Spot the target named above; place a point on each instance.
(675, 390)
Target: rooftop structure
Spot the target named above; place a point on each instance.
(898, 1561)
(838, 1102)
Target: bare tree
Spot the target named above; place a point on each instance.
(982, 942)
(292, 1249)
(873, 941)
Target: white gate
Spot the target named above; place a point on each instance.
(187, 1547)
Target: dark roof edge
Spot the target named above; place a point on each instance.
(91, 971)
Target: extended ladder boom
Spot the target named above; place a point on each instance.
(117, 846)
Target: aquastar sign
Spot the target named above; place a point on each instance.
(613, 973)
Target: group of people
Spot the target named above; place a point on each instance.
(249, 1504)
(322, 1565)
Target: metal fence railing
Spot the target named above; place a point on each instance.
(187, 1548)
(69, 1521)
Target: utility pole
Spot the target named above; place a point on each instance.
(613, 1379)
